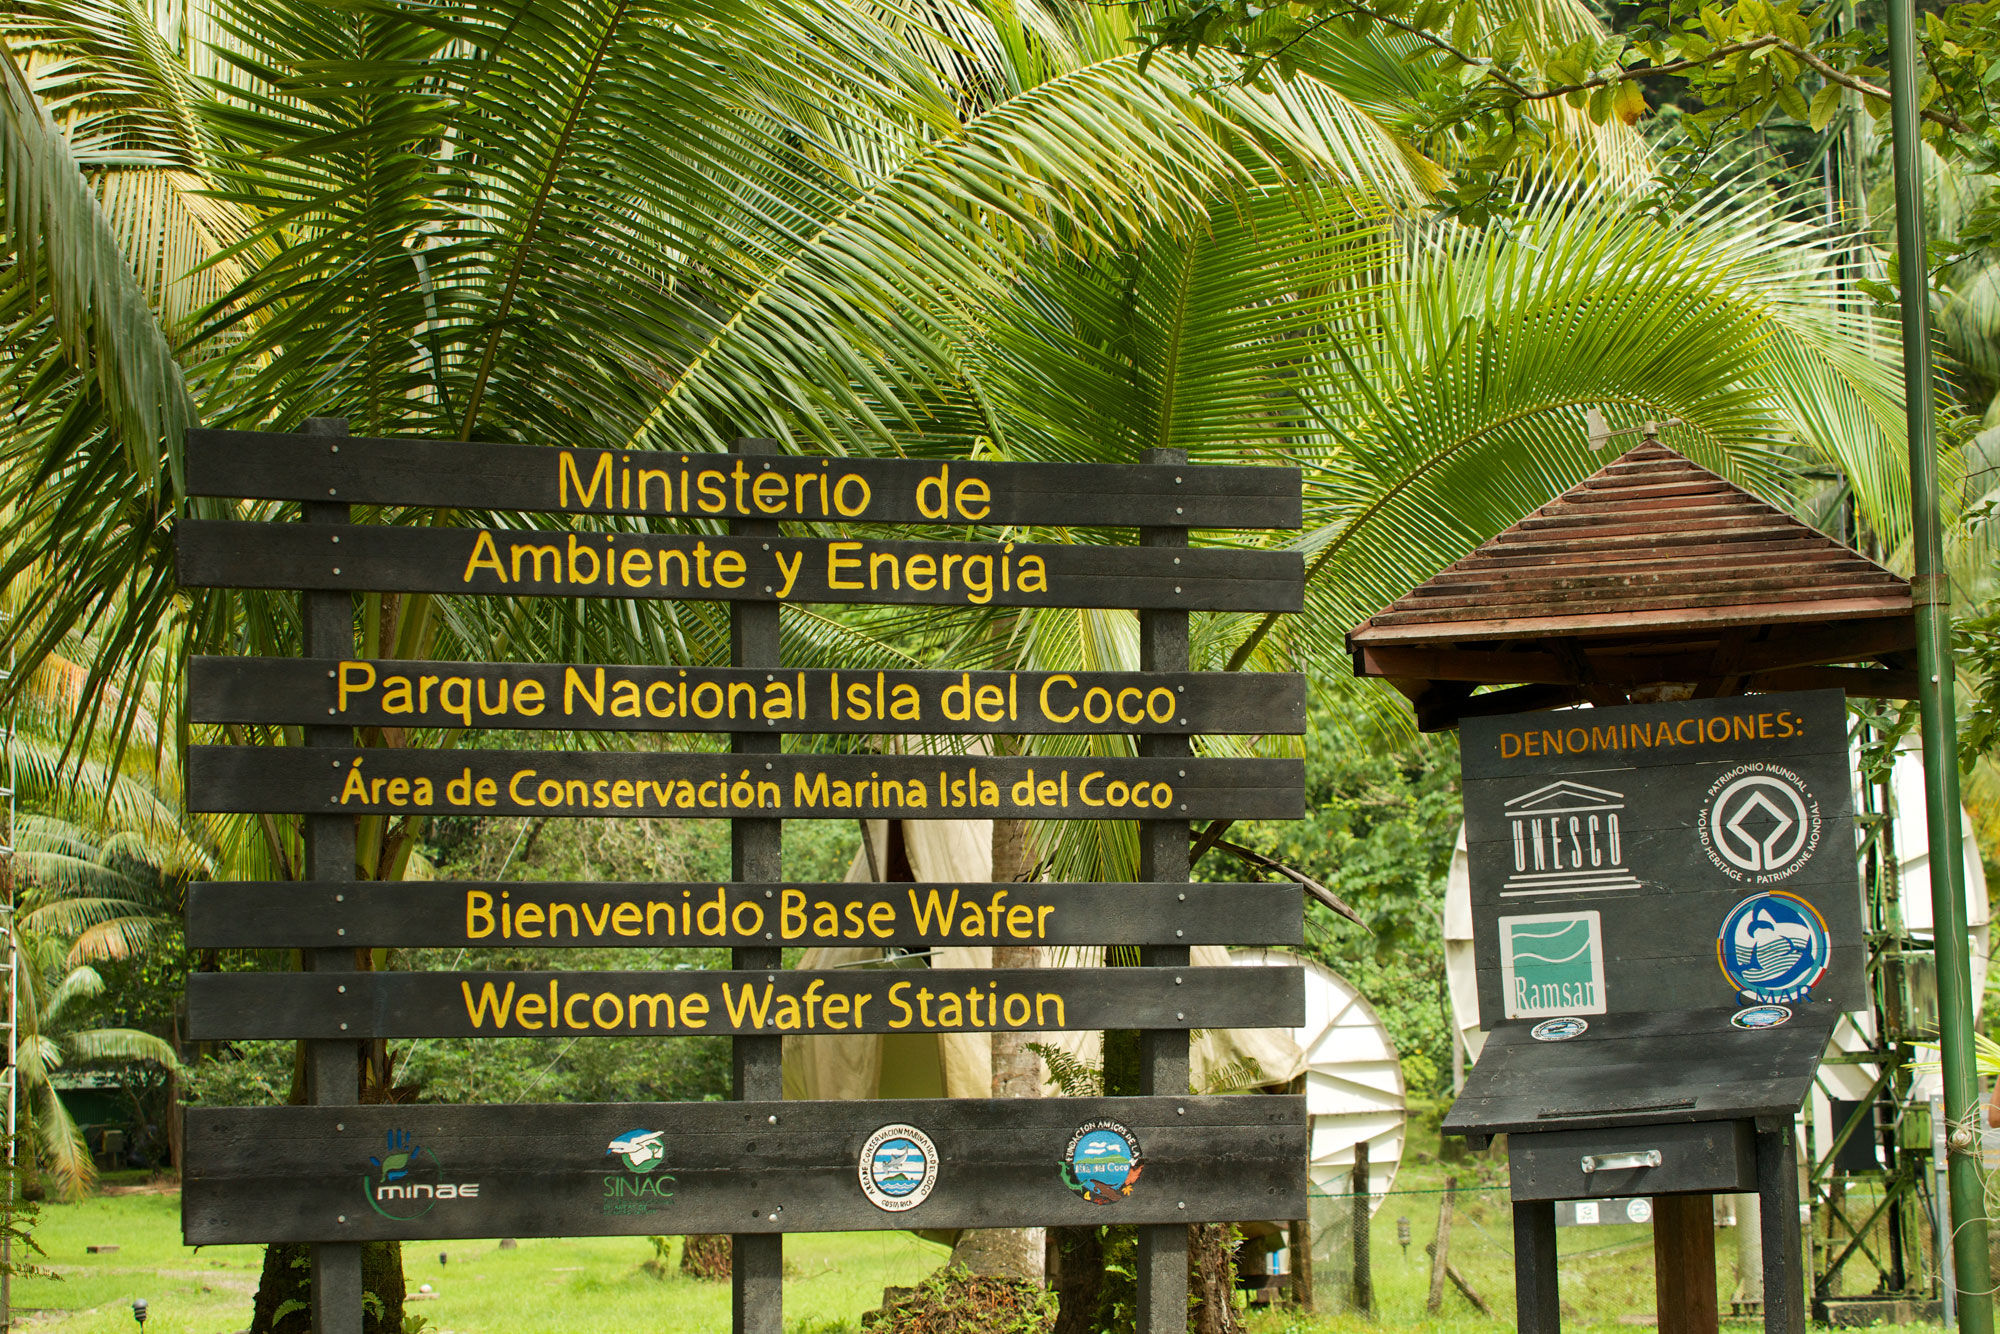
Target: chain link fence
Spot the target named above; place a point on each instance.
(1409, 1256)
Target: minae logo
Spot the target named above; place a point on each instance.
(407, 1181)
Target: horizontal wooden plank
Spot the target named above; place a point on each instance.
(524, 696)
(890, 999)
(565, 563)
(293, 915)
(622, 784)
(263, 1174)
(450, 474)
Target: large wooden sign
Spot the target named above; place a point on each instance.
(455, 475)
(471, 914)
(628, 784)
(608, 1169)
(586, 564)
(644, 526)
(1664, 857)
(626, 1004)
(591, 697)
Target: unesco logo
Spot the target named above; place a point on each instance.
(1760, 823)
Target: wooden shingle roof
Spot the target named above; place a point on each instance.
(1652, 570)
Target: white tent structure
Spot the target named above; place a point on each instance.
(960, 1065)
(1353, 1078)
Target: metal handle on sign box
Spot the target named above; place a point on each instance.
(1618, 1162)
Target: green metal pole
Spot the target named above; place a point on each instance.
(1940, 716)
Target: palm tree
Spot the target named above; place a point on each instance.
(51, 1009)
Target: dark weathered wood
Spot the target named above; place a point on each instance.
(1684, 1264)
(296, 1174)
(570, 563)
(478, 475)
(333, 1069)
(628, 784)
(1613, 812)
(277, 914)
(1359, 1232)
(467, 1004)
(1537, 1303)
(1640, 1069)
(756, 852)
(1164, 855)
(1778, 1214)
(1440, 1248)
(598, 697)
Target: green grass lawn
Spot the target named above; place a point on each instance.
(596, 1285)
(602, 1285)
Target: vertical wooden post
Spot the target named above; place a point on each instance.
(333, 1067)
(1364, 1260)
(1684, 1264)
(1163, 859)
(1537, 1306)
(756, 847)
(1778, 1217)
(1299, 1234)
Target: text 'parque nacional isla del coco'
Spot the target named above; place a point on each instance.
(594, 694)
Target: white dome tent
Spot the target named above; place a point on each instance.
(1353, 1079)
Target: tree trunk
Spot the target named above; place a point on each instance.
(1212, 1280)
(1017, 1073)
(1077, 1274)
(284, 1291)
(706, 1255)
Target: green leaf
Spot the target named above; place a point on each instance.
(1824, 104)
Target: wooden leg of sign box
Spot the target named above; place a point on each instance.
(1537, 1307)
(756, 853)
(333, 1068)
(1163, 859)
(1778, 1216)
(1684, 1264)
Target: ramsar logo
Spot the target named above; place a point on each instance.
(637, 1190)
(407, 1181)
(1552, 964)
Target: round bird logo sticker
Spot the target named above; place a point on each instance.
(1773, 948)
(640, 1148)
(1102, 1161)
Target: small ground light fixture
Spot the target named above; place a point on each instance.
(139, 1311)
(1403, 1236)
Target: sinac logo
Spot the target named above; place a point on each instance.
(1761, 822)
(640, 1148)
(1773, 947)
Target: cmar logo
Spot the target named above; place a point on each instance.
(407, 1180)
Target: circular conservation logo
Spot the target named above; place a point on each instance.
(1773, 947)
(640, 1148)
(898, 1168)
(1102, 1161)
(1558, 1030)
(1760, 1016)
(1639, 1210)
(1760, 822)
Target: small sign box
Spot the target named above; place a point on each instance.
(1685, 856)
